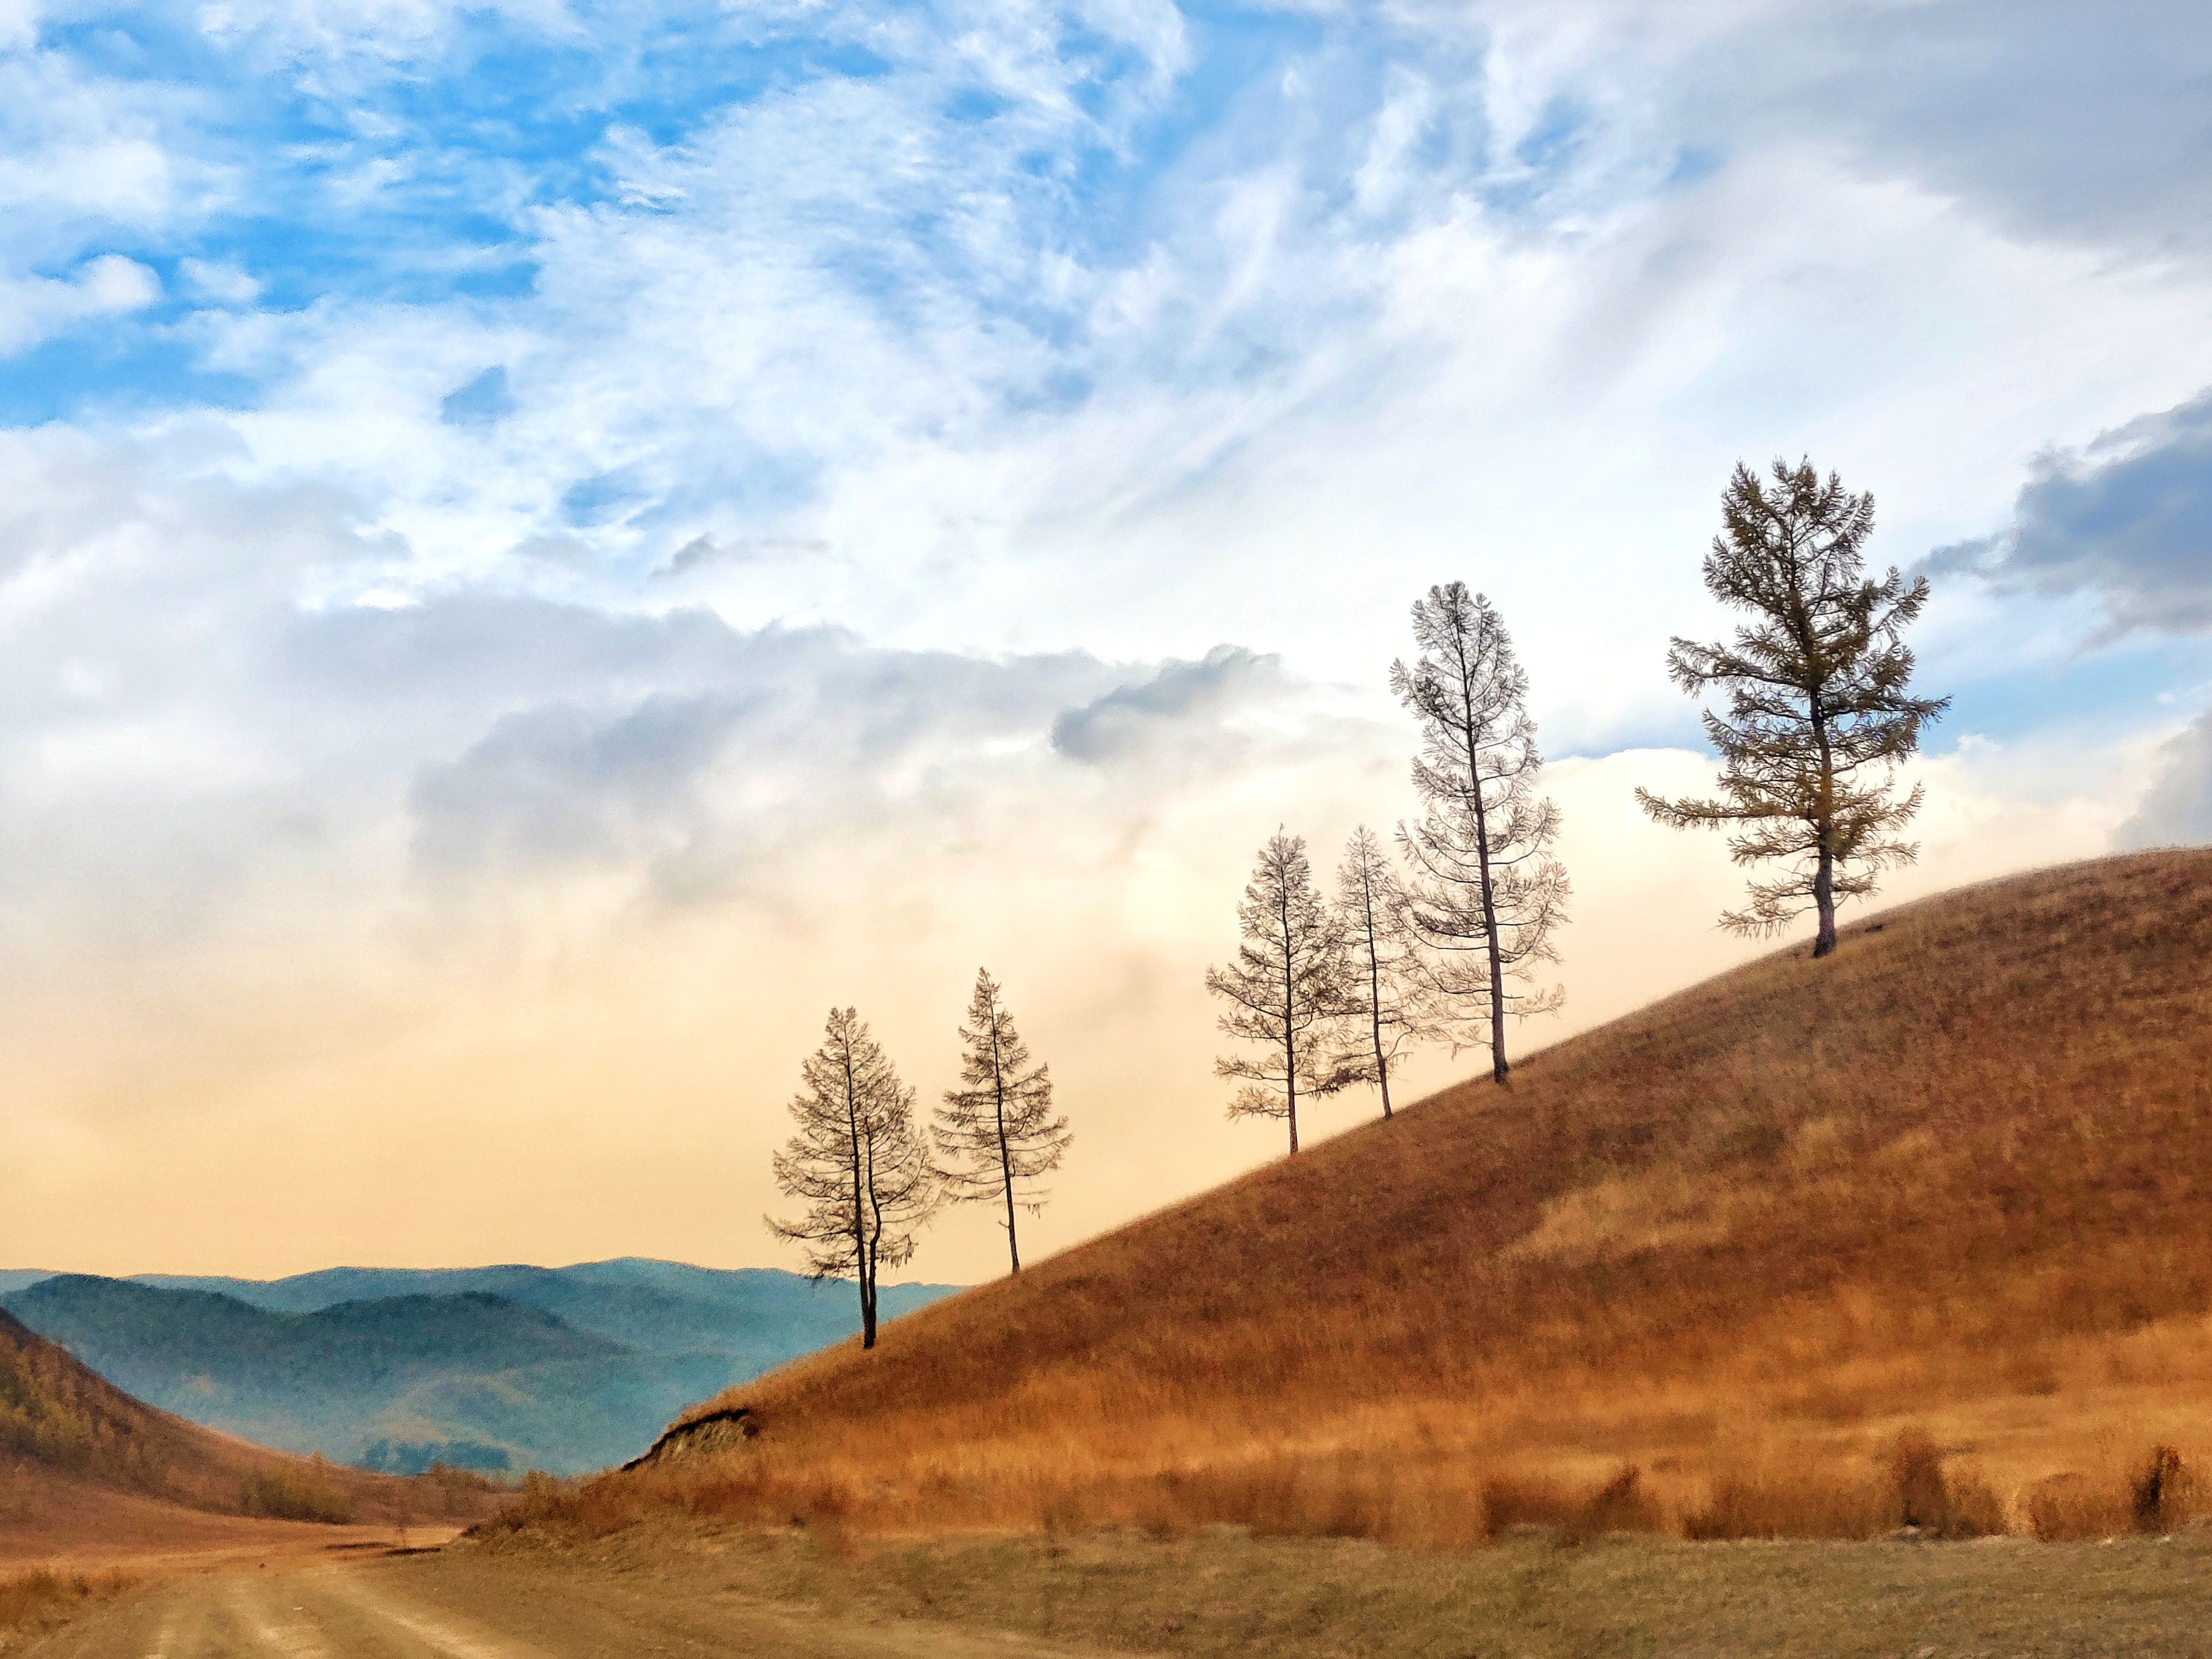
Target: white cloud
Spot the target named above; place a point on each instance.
(831, 319)
(219, 280)
(2127, 516)
(33, 308)
(2178, 809)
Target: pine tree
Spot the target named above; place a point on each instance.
(1485, 890)
(859, 1162)
(1389, 1013)
(999, 1130)
(1820, 712)
(1287, 990)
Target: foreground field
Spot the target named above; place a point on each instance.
(1911, 1235)
(689, 1595)
(53, 1520)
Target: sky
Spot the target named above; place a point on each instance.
(543, 545)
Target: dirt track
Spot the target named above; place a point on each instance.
(451, 1610)
(687, 1592)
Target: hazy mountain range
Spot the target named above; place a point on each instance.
(500, 1368)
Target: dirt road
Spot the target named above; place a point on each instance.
(687, 1591)
(445, 1609)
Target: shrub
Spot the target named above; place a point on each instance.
(1621, 1505)
(1617, 1504)
(2162, 1492)
(1807, 1504)
(304, 1492)
(1929, 1500)
(43, 1594)
(2068, 1507)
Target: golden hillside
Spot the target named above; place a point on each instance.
(1954, 1182)
(87, 1469)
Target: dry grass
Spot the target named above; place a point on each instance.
(33, 1601)
(1910, 1237)
(1221, 1594)
(59, 1421)
(305, 1492)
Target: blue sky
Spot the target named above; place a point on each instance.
(520, 517)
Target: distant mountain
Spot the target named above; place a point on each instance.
(758, 1318)
(496, 1369)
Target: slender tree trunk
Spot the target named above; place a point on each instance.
(1374, 1011)
(1005, 1157)
(862, 1261)
(1824, 897)
(1824, 878)
(1290, 1031)
(1499, 1066)
(868, 1298)
(875, 1247)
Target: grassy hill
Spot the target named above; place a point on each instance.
(1916, 1234)
(83, 1464)
(496, 1369)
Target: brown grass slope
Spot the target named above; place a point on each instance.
(58, 1413)
(84, 1466)
(1955, 1181)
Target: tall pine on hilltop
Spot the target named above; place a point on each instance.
(997, 1130)
(1287, 989)
(1820, 711)
(859, 1163)
(1388, 1012)
(1484, 890)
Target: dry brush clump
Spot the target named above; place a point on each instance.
(31, 1599)
(2160, 1493)
(296, 1491)
(1912, 1488)
(1956, 1176)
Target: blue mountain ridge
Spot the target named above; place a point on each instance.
(500, 1368)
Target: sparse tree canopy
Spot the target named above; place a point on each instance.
(999, 1129)
(1485, 890)
(1287, 990)
(859, 1162)
(1390, 1011)
(1820, 712)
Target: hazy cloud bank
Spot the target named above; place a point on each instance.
(2126, 518)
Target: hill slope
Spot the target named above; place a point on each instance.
(85, 1466)
(495, 1368)
(1958, 1176)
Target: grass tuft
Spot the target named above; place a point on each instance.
(43, 1597)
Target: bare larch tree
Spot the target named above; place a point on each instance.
(1485, 890)
(999, 1129)
(1287, 990)
(1820, 708)
(859, 1163)
(1389, 1009)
